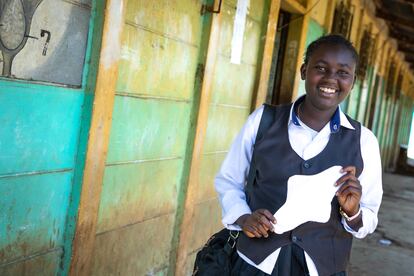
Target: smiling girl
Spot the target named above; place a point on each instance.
(306, 137)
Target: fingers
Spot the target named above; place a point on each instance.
(349, 169)
(251, 231)
(350, 175)
(258, 224)
(349, 194)
(263, 218)
(352, 183)
(267, 214)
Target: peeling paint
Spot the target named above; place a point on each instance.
(110, 46)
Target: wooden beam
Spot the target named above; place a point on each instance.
(301, 50)
(401, 36)
(382, 13)
(406, 46)
(201, 128)
(267, 54)
(402, 27)
(293, 6)
(83, 243)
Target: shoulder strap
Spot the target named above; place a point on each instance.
(266, 121)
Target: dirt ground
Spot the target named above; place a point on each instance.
(389, 251)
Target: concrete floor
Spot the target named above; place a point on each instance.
(396, 224)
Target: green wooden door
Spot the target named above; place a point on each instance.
(40, 131)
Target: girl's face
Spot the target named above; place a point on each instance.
(329, 76)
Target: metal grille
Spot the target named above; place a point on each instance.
(399, 85)
(366, 53)
(390, 80)
(343, 19)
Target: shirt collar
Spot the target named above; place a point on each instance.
(338, 119)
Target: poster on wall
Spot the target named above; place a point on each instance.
(44, 40)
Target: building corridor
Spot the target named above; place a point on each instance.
(390, 249)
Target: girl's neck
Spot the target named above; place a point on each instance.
(312, 116)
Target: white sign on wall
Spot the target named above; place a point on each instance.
(238, 31)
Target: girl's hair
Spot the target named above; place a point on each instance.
(331, 39)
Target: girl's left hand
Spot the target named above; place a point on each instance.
(349, 194)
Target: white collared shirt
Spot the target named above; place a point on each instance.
(307, 143)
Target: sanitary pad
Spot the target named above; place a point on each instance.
(309, 198)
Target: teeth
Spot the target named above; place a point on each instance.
(327, 90)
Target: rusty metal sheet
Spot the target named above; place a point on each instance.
(136, 192)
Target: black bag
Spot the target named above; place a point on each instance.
(217, 255)
(215, 258)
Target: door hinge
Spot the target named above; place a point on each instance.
(207, 8)
(200, 73)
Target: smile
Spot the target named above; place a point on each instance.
(327, 90)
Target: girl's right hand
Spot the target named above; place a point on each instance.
(257, 224)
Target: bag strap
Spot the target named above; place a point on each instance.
(266, 121)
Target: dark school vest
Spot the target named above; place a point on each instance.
(328, 244)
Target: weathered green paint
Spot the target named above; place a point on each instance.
(228, 88)
(353, 99)
(207, 220)
(151, 138)
(137, 192)
(378, 106)
(145, 129)
(252, 32)
(407, 115)
(138, 249)
(43, 265)
(88, 86)
(210, 164)
(39, 127)
(40, 142)
(188, 157)
(164, 66)
(33, 212)
(176, 19)
(224, 123)
(383, 121)
(232, 91)
(365, 93)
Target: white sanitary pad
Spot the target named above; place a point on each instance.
(308, 199)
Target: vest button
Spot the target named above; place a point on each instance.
(294, 239)
(306, 165)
